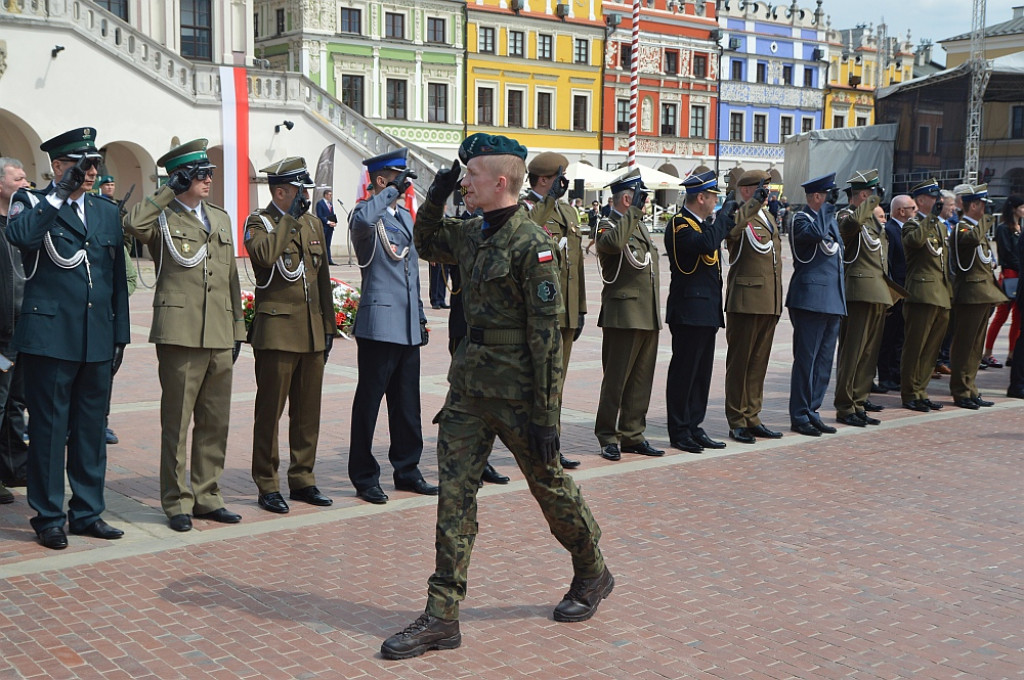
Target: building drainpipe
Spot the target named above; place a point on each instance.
(465, 70)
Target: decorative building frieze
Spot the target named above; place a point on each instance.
(790, 97)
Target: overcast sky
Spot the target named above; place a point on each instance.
(932, 19)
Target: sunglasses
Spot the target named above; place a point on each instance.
(89, 160)
(202, 174)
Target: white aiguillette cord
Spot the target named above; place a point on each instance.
(63, 262)
(290, 276)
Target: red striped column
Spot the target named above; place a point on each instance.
(634, 83)
(235, 134)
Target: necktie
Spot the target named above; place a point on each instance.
(78, 213)
(202, 218)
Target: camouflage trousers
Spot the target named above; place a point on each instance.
(467, 430)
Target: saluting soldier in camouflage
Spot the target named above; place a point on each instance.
(504, 381)
(547, 185)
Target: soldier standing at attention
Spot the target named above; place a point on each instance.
(198, 329)
(390, 329)
(926, 308)
(292, 334)
(547, 186)
(693, 311)
(816, 303)
(975, 294)
(753, 304)
(630, 320)
(504, 381)
(867, 298)
(73, 325)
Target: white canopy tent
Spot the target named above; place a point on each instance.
(593, 178)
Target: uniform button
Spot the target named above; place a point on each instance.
(86, 243)
(293, 231)
(90, 305)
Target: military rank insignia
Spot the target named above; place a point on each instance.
(544, 256)
(546, 291)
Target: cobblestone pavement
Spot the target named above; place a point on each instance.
(886, 552)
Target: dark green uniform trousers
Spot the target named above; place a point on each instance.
(295, 377)
(923, 331)
(628, 357)
(860, 336)
(466, 434)
(750, 339)
(965, 351)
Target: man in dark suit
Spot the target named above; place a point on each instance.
(74, 322)
(325, 213)
(816, 301)
(693, 311)
(901, 210)
(390, 329)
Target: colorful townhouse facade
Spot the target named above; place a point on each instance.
(862, 60)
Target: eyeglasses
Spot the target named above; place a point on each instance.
(202, 174)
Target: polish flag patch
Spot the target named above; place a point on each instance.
(544, 256)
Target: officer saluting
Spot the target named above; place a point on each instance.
(292, 334)
(693, 311)
(74, 322)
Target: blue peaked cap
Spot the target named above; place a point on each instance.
(699, 183)
(819, 184)
(392, 160)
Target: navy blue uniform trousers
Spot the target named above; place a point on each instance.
(814, 349)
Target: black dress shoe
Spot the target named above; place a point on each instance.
(111, 437)
(181, 523)
(373, 494)
(222, 515)
(311, 495)
(760, 430)
(981, 402)
(1013, 394)
(873, 407)
(917, 405)
(741, 435)
(420, 486)
(822, 427)
(568, 464)
(580, 603)
(53, 538)
(878, 389)
(933, 405)
(611, 452)
(702, 438)
(644, 448)
(851, 419)
(99, 529)
(273, 501)
(868, 420)
(424, 634)
(493, 476)
(687, 443)
(805, 428)
(966, 403)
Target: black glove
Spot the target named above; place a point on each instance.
(833, 195)
(559, 185)
(579, 328)
(328, 346)
(118, 358)
(761, 194)
(299, 206)
(444, 184)
(180, 180)
(401, 182)
(71, 180)
(424, 334)
(729, 209)
(544, 441)
(639, 197)
(937, 208)
(236, 350)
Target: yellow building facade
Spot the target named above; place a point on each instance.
(853, 76)
(534, 72)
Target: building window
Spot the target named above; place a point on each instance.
(922, 139)
(760, 127)
(622, 115)
(543, 110)
(737, 69)
(437, 103)
(394, 25)
(352, 92)
(862, 121)
(625, 56)
(698, 122)
(580, 113)
(808, 77)
(806, 124)
(351, 20)
(672, 63)
(785, 127)
(196, 30)
(669, 120)
(735, 127)
(700, 66)
(485, 41)
(435, 30)
(787, 74)
(256, 25)
(514, 108)
(938, 140)
(838, 122)
(581, 51)
(118, 8)
(279, 18)
(544, 47)
(515, 44)
(762, 72)
(485, 106)
(1017, 122)
(396, 99)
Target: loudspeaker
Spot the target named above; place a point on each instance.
(577, 189)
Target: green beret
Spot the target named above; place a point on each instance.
(547, 163)
(483, 144)
(104, 179)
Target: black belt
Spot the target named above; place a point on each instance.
(497, 336)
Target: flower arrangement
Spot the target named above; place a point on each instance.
(346, 305)
(249, 307)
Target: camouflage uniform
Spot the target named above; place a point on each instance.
(505, 376)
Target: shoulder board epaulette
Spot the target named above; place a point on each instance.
(214, 206)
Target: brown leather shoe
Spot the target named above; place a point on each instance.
(425, 633)
(943, 369)
(580, 603)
